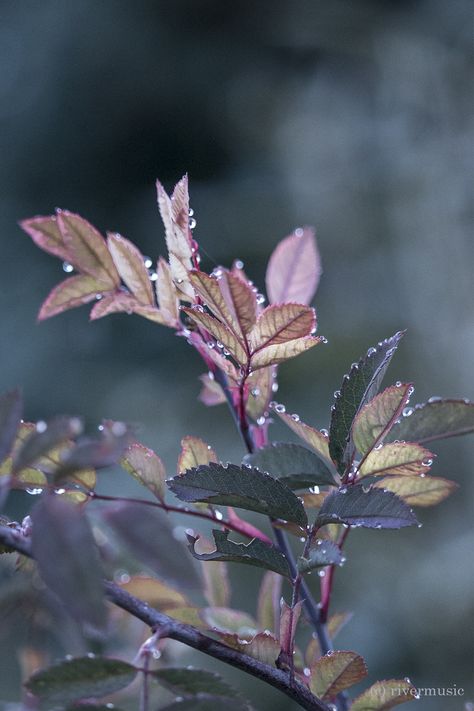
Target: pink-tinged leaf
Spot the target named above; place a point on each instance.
(70, 293)
(274, 354)
(213, 356)
(208, 289)
(268, 605)
(259, 386)
(166, 294)
(241, 300)
(375, 419)
(45, 233)
(154, 592)
(294, 268)
(88, 249)
(226, 619)
(131, 267)
(211, 392)
(146, 467)
(281, 323)
(418, 490)
(121, 302)
(220, 332)
(397, 459)
(246, 528)
(384, 695)
(335, 623)
(335, 672)
(263, 646)
(314, 438)
(216, 583)
(289, 617)
(194, 452)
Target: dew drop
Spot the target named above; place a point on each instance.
(337, 393)
(91, 655)
(324, 433)
(321, 573)
(407, 412)
(218, 515)
(398, 384)
(274, 387)
(314, 489)
(67, 267)
(255, 392)
(68, 657)
(295, 417)
(147, 261)
(238, 264)
(60, 491)
(435, 398)
(379, 446)
(41, 426)
(280, 408)
(192, 223)
(299, 232)
(260, 299)
(34, 491)
(261, 420)
(371, 351)
(427, 462)
(323, 339)
(153, 276)
(343, 490)
(419, 525)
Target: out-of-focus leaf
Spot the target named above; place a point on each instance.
(254, 553)
(268, 601)
(87, 249)
(358, 388)
(11, 407)
(373, 421)
(294, 268)
(281, 323)
(211, 392)
(335, 672)
(294, 465)
(96, 454)
(80, 678)
(46, 437)
(166, 294)
(226, 619)
(74, 291)
(121, 302)
(398, 458)
(219, 331)
(207, 702)
(194, 452)
(154, 592)
(322, 554)
(247, 528)
(242, 487)
(435, 419)
(384, 695)
(189, 615)
(130, 265)
(216, 583)
(418, 490)
(45, 233)
(146, 467)
(241, 301)
(33, 478)
(263, 646)
(148, 534)
(188, 681)
(313, 501)
(313, 438)
(259, 385)
(67, 558)
(368, 507)
(334, 625)
(279, 353)
(289, 617)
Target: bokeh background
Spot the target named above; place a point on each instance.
(352, 116)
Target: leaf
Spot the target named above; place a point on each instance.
(241, 300)
(44, 438)
(397, 458)
(314, 438)
(95, 453)
(70, 293)
(384, 695)
(259, 385)
(146, 467)
(131, 267)
(281, 323)
(216, 583)
(279, 353)
(435, 419)
(294, 465)
(242, 487)
(80, 678)
(294, 268)
(368, 507)
(289, 617)
(188, 681)
(374, 420)
(67, 557)
(154, 592)
(207, 702)
(358, 388)
(335, 672)
(45, 233)
(219, 331)
(208, 289)
(268, 601)
(211, 392)
(226, 619)
(418, 490)
(148, 534)
(254, 553)
(11, 407)
(166, 294)
(194, 452)
(120, 302)
(322, 554)
(335, 623)
(247, 528)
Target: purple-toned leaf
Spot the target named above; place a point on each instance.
(418, 490)
(281, 323)
(294, 268)
(289, 617)
(45, 233)
(130, 265)
(209, 290)
(294, 465)
(259, 389)
(384, 695)
(146, 467)
(241, 301)
(219, 331)
(67, 557)
(166, 294)
(335, 672)
(365, 506)
(119, 302)
(315, 439)
(211, 392)
(11, 407)
(323, 553)
(187, 681)
(435, 419)
(279, 353)
(70, 293)
(268, 602)
(373, 421)
(46, 437)
(194, 452)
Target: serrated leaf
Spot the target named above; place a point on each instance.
(281, 323)
(374, 420)
(226, 619)
(147, 532)
(335, 623)
(294, 465)
(44, 439)
(166, 294)
(294, 268)
(205, 702)
(219, 331)
(241, 301)
(45, 233)
(146, 467)
(313, 437)
(397, 458)
(194, 452)
(208, 289)
(130, 265)
(254, 553)
(418, 490)
(80, 678)
(242, 487)
(259, 385)
(358, 388)
(435, 420)
(322, 554)
(70, 293)
(279, 353)
(384, 695)
(67, 557)
(263, 646)
(367, 507)
(87, 249)
(335, 672)
(268, 601)
(154, 592)
(189, 681)
(121, 302)
(11, 407)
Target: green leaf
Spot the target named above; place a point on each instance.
(190, 681)
(374, 420)
(384, 695)
(435, 419)
(206, 702)
(242, 487)
(194, 452)
(418, 490)
(358, 388)
(146, 467)
(226, 619)
(335, 672)
(365, 506)
(154, 592)
(80, 678)
(398, 458)
(217, 589)
(43, 439)
(325, 552)
(294, 465)
(315, 439)
(11, 407)
(269, 601)
(67, 557)
(254, 553)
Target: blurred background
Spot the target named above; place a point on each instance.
(355, 117)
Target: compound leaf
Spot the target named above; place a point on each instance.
(368, 507)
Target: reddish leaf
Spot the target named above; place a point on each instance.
(146, 467)
(71, 292)
(121, 302)
(241, 300)
(274, 354)
(45, 233)
(335, 672)
(259, 385)
(375, 419)
(294, 268)
(219, 331)
(208, 289)
(281, 323)
(211, 392)
(166, 294)
(269, 601)
(314, 438)
(289, 617)
(384, 695)
(131, 268)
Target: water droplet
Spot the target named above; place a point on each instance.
(60, 491)
(255, 392)
(398, 384)
(41, 426)
(435, 398)
(366, 489)
(371, 351)
(324, 433)
(261, 420)
(280, 408)
(337, 393)
(343, 490)
(321, 573)
(408, 411)
(422, 475)
(147, 261)
(119, 429)
(192, 223)
(314, 489)
(121, 576)
(295, 417)
(67, 267)
(91, 655)
(239, 264)
(274, 387)
(323, 339)
(419, 525)
(379, 446)
(68, 657)
(153, 276)
(260, 299)
(218, 515)
(299, 232)
(307, 671)
(427, 462)
(34, 491)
